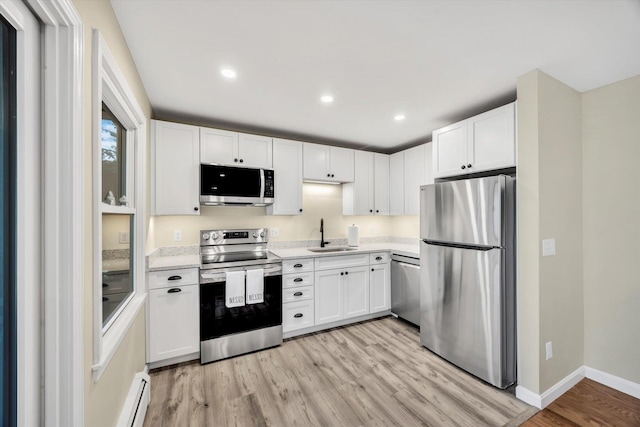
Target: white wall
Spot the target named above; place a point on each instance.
(611, 205)
(319, 201)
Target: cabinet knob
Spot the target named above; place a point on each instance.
(332, 175)
(241, 160)
(372, 269)
(346, 272)
(378, 258)
(300, 209)
(235, 160)
(342, 274)
(195, 209)
(377, 211)
(174, 290)
(297, 294)
(370, 210)
(298, 315)
(469, 165)
(463, 167)
(328, 175)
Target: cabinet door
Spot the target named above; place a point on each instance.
(342, 164)
(219, 146)
(328, 296)
(175, 174)
(316, 162)
(381, 184)
(355, 294)
(413, 179)
(287, 163)
(255, 151)
(428, 163)
(357, 196)
(492, 143)
(396, 182)
(174, 316)
(450, 150)
(380, 288)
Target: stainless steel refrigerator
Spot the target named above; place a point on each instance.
(467, 275)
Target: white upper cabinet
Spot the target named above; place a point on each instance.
(326, 163)
(481, 143)
(287, 164)
(368, 194)
(255, 151)
(175, 169)
(396, 182)
(235, 149)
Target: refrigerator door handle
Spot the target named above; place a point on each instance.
(460, 245)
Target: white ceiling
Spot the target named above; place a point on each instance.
(435, 61)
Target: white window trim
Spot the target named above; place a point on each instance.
(59, 371)
(110, 86)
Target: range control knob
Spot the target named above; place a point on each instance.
(262, 234)
(255, 235)
(205, 236)
(214, 235)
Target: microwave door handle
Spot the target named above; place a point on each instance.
(261, 183)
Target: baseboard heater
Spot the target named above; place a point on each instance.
(135, 407)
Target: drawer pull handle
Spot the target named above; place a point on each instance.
(297, 266)
(378, 258)
(297, 294)
(105, 285)
(175, 278)
(297, 279)
(297, 315)
(174, 290)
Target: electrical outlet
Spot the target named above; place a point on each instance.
(548, 247)
(549, 350)
(177, 235)
(274, 232)
(123, 237)
(372, 230)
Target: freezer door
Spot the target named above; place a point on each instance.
(467, 212)
(466, 312)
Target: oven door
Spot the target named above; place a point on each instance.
(216, 320)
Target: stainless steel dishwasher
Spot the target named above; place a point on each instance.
(405, 288)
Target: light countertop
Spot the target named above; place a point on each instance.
(398, 248)
(158, 263)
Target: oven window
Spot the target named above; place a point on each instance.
(217, 320)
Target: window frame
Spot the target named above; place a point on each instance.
(110, 86)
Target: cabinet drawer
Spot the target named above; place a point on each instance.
(342, 261)
(379, 258)
(297, 294)
(297, 265)
(294, 280)
(172, 278)
(297, 315)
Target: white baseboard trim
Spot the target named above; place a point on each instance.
(557, 390)
(135, 406)
(617, 383)
(528, 397)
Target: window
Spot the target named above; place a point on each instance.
(119, 201)
(7, 224)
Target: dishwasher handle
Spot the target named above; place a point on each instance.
(405, 259)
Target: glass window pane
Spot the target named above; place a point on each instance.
(117, 263)
(113, 158)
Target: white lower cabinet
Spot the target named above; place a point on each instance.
(328, 296)
(174, 322)
(355, 296)
(297, 294)
(379, 283)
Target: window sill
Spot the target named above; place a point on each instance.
(116, 333)
(105, 208)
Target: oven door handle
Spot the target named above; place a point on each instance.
(222, 274)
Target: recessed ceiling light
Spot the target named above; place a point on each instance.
(399, 117)
(327, 99)
(228, 73)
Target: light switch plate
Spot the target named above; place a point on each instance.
(548, 350)
(123, 237)
(548, 247)
(177, 236)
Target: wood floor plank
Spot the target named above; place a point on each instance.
(368, 374)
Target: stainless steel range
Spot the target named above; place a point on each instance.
(240, 293)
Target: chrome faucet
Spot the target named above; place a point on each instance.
(322, 242)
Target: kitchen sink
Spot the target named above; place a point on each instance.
(334, 249)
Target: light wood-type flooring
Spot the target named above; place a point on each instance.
(589, 404)
(372, 373)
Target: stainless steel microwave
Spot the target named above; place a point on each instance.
(230, 185)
